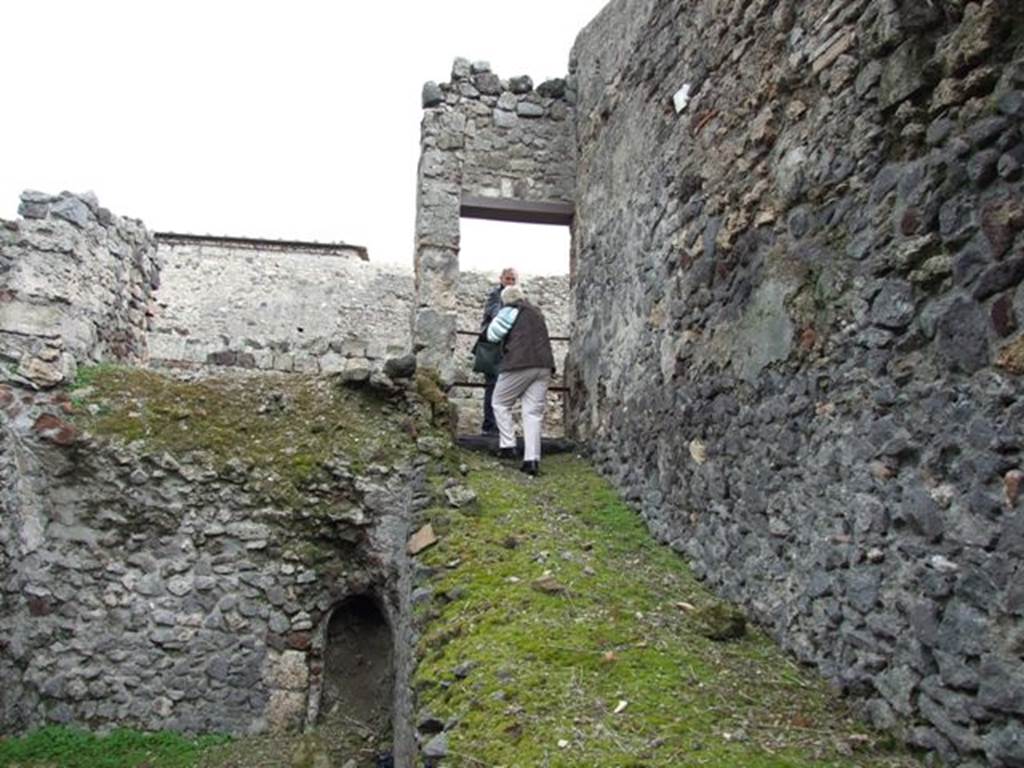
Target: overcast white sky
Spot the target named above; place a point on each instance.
(295, 120)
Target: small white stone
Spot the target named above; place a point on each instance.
(942, 564)
(681, 98)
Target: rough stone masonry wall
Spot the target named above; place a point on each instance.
(798, 340)
(75, 284)
(482, 136)
(145, 590)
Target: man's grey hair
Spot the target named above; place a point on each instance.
(510, 294)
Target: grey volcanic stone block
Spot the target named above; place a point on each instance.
(432, 94)
(72, 209)
(529, 109)
(521, 84)
(961, 335)
(893, 307)
(400, 367)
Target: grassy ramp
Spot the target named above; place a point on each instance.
(560, 634)
(554, 631)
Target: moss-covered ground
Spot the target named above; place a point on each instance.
(561, 634)
(57, 747)
(281, 430)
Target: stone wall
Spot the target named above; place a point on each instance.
(287, 307)
(797, 349)
(302, 308)
(75, 285)
(162, 591)
(482, 136)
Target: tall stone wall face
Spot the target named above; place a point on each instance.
(797, 349)
(75, 285)
(481, 136)
(141, 589)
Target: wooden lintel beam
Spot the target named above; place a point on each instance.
(521, 211)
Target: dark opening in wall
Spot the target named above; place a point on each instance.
(358, 677)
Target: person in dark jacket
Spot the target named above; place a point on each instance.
(491, 308)
(527, 365)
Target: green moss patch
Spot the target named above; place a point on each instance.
(70, 748)
(279, 430)
(561, 634)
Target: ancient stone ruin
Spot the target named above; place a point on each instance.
(796, 313)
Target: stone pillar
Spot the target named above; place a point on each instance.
(482, 137)
(438, 199)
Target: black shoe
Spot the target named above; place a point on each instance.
(531, 468)
(506, 453)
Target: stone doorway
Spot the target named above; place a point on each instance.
(541, 256)
(358, 676)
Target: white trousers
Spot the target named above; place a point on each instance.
(532, 385)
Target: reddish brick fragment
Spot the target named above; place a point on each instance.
(1000, 222)
(807, 339)
(1012, 482)
(1003, 319)
(51, 428)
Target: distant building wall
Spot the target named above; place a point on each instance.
(282, 306)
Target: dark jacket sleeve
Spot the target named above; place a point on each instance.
(492, 307)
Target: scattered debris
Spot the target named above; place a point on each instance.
(548, 584)
(422, 539)
(720, 621)
(459, 496)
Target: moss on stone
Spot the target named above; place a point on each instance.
(720, 621)
(281, 432)
(431, 390)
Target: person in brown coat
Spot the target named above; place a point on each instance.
(527, 365)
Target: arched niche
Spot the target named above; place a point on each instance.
(357, 688)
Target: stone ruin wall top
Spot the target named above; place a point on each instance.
(77, 284)
(288, 308)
